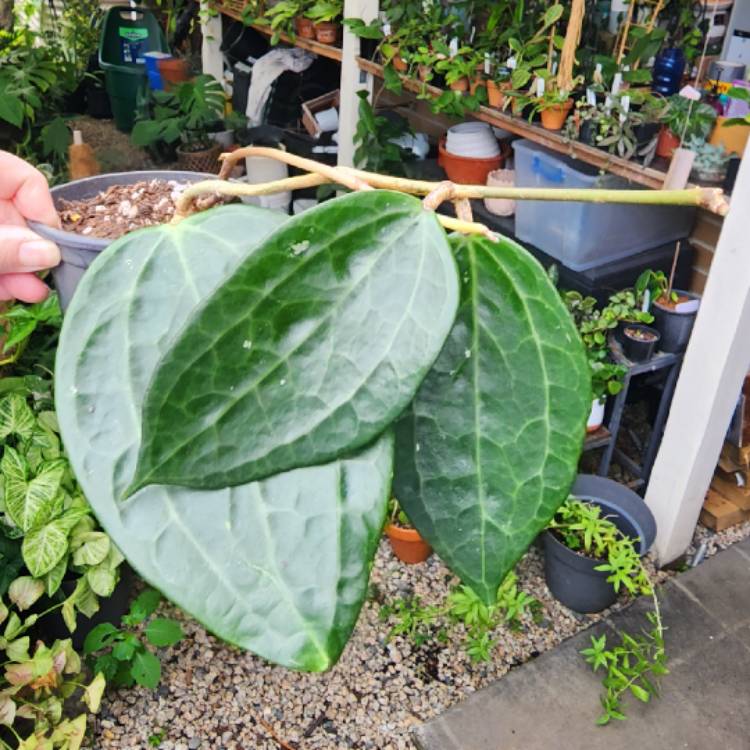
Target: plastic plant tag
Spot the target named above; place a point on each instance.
(687, 306)
(540, 87)
(625, 101)
(511, 63)
(646, 300)
(689, 92)
(616, 83)
(590, 97)
(486, 63)
(454, 46)
(679, 169)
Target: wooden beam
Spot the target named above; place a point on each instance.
(714, 369)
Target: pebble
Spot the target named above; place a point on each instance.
(221, 698)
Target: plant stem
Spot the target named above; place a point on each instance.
(710, 198)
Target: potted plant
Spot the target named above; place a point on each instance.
(606, 380)
(224, 134)
(674, 311)
(406, 542)
(282, 17)
(683, 119)
(423, 59)
(710, 163)
(458, 68)
(639, 342)
(184, 117)
(554, 106)
(326, 16)
(588, 560)
(497, 85)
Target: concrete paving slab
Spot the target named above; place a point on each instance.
(552, 702)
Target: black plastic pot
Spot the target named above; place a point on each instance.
(730, 179)
(639, 350)
(78, 251)
(571, 576)
(645, 133)
(573, 580)
(587, 133)
(675, 327)
(97, 102)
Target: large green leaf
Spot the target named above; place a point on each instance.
(279, 567)
(490, 445)
(314, 345)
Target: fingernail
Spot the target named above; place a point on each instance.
(38, 254)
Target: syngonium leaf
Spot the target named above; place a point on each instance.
(280, 566)
(318, 341)
(489, 448)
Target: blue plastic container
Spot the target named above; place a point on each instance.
(667, 73)
(152, 69)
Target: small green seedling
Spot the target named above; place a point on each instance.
(123, 657)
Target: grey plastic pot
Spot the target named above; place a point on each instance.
(79, 251)
(675, 327)
(571, 576)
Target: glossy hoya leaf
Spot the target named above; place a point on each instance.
(280, 566)
(310, 349)
(489, 448)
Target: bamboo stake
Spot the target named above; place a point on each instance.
(674, 268)
(710, 198)
(568, 54)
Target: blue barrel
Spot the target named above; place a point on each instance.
(667, 73)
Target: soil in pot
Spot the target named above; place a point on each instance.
(639, 342)
(326, 32)
(304, 27)
(573, 579)
(674, 320)
(553, 118)
(407, 544)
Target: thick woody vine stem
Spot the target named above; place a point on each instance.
(712, 199)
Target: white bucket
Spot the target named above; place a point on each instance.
(262, 169)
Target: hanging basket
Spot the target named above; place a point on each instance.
(206, 160)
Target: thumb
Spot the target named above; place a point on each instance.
(21, 250)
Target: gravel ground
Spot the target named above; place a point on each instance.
(216, 697)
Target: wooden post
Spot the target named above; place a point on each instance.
(715, 365)
(352, 79)
(213, 60)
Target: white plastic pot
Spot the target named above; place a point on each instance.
(501, 206)
(473, 140)
(596, 415)
(261, 169)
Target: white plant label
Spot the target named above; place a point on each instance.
(590, 97)
(540, 87)
(386, 29)
(625, 101)
(487, 63)
(511, 63)
(689, 92)
(454, 46)
(616, 83)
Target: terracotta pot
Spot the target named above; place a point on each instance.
(477, 83)
(304, 27)
(407, 544)
(424, 72)
(327, 32)
(553, 118)
(666, 143)
(466, 170)
(495, 93)
(462, 84)
(399, 63)
(173, 70)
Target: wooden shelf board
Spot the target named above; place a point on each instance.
(631, 171)
(324, 50)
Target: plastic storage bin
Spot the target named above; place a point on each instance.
(127, 35)
(585, 235)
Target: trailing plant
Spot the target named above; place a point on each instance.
(374, 138)
(280, 17)
(635, 664)
(463, 607)
(423, 326)
(121, 655)
(185, 115)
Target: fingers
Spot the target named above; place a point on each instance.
(23, 286)
(27, 189)
(21, 250)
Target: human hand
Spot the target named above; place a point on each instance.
(24, 195)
